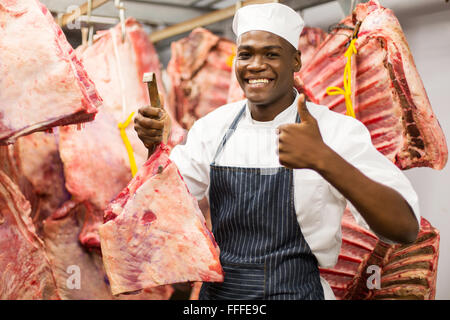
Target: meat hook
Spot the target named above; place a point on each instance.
(91, 26)
(120, 6)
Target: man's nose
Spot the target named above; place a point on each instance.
(256, 64)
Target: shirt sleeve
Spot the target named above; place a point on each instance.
(193, 162)
(356, 147)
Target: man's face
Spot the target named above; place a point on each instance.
(265, 64)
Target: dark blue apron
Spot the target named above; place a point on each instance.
(262, 249)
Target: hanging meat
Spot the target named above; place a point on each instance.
(36, 157)
(96, 164)
(119, 79)
(42, 83)
(155, 233)
(309, 41)
(406, 271)
(25, 271)
(68, 256)
(199, 71)
(96, 168)
(388, 94)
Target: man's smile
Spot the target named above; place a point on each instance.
(259, 82)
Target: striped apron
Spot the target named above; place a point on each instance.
(262, 249)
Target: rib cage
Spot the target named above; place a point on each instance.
(407, 271)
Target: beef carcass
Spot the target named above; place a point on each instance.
(10, 166)
(199, 70)
(96, 163)
(388, 94)
(96, 169)
(37, 159)
(69, 259)
(25, 272)
(357, 244)
(42, 83)
(7, 164)
(155, 233)
(119, 79)
(309, 41)
(407, 271)
(79, 273)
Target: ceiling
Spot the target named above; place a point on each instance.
(158, 15)
(161, 13)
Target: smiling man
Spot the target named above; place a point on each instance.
(278, 171)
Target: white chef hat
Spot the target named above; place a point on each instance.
(276, 18)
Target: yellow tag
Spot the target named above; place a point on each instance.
(347, 91)
(122, 126)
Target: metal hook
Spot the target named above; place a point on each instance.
(119, 5)
(89, 22)
(356, 31)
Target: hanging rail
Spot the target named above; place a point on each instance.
(71, 16)
(203, 20)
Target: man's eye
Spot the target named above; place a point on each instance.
(272, 54)
(243, 55)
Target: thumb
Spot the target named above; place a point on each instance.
(305, 116)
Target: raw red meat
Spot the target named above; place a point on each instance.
(119, 79)
(96, 164)
(199, 71)
(410, 271)
(155, 233)
(8, 165)
(42, 83)
(61, 232)
(388, 94)
(407, 271)
(357, 244)
(235, 93)
(96, 168)
(309, 41)
(25, 272)
(37, 159)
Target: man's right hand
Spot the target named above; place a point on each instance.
(152, 126)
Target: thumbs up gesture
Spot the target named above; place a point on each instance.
(300, 145)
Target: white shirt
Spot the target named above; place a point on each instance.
(318, 205)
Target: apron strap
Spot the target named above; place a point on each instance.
(229, 133)
(232, 129)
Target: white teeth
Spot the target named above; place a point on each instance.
(251, 81)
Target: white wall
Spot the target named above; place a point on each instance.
(426, 24)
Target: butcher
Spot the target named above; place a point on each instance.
(278, 172)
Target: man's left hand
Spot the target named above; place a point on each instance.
(300, 145)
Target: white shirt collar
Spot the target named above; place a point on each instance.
(285, 116)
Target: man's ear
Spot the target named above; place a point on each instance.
(297, 62)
